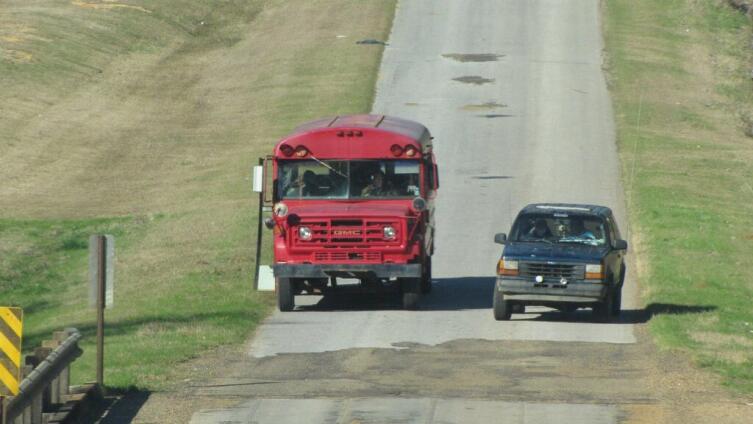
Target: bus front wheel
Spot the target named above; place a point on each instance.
(285, 294)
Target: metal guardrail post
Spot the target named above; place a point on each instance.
(46, 374)
(27, 416)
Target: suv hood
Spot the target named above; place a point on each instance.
(554, 252)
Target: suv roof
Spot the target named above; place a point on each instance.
(567, 207)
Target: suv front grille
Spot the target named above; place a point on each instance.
(552, 270)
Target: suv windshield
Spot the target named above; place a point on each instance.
(559, 228)
(344, 179)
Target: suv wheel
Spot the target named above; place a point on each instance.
(502, 307)
(602, 311)
(285, 296)
(617, 302)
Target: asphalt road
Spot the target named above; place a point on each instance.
(514, 93)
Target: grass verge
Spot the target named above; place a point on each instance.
(142, 119)
(680, 79)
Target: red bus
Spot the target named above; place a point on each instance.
(353, 198)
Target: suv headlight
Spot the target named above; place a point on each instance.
(507, 267)
(594, 272)
(304, 233)
(389, 232)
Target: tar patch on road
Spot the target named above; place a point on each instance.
(495, 115)
(483, 106)
(473, 79)
(491, 177)
(473, 57)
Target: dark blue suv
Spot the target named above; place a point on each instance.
(563, 256)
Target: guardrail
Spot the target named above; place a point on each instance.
(45, 389)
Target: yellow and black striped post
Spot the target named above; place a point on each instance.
(10, 350)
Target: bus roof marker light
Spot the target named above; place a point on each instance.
(396, 150)
(410, 151)
(301, 151)
(286, 150)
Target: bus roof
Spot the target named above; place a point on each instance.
(403, 127)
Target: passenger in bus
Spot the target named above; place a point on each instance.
(411, 187)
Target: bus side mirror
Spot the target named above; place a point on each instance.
(620, 245)
(436, 177)
(500, 238)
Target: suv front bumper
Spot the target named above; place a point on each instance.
(347, 270)
(582, 291)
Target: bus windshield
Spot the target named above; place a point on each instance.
(348, 179)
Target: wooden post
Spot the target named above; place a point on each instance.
(101, 279)
(259, 232)
(64, 376)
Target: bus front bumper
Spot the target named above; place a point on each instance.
(347, 270)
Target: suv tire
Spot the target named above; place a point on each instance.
(616, 302)
(502, 307)
(602, 311)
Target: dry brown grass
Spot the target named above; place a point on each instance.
(167, 133)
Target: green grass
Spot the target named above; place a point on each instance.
(688, 171)
(143, 122)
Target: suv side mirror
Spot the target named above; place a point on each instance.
(620, 245)
(500, 238)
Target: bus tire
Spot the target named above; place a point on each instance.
(426, 277)
(285, 295)
(410, 288)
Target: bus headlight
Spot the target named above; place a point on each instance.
(304, 233)
(389, 233)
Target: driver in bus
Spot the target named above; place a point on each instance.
(376, 187)
(303, 185)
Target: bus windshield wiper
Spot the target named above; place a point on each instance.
(328, 167)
